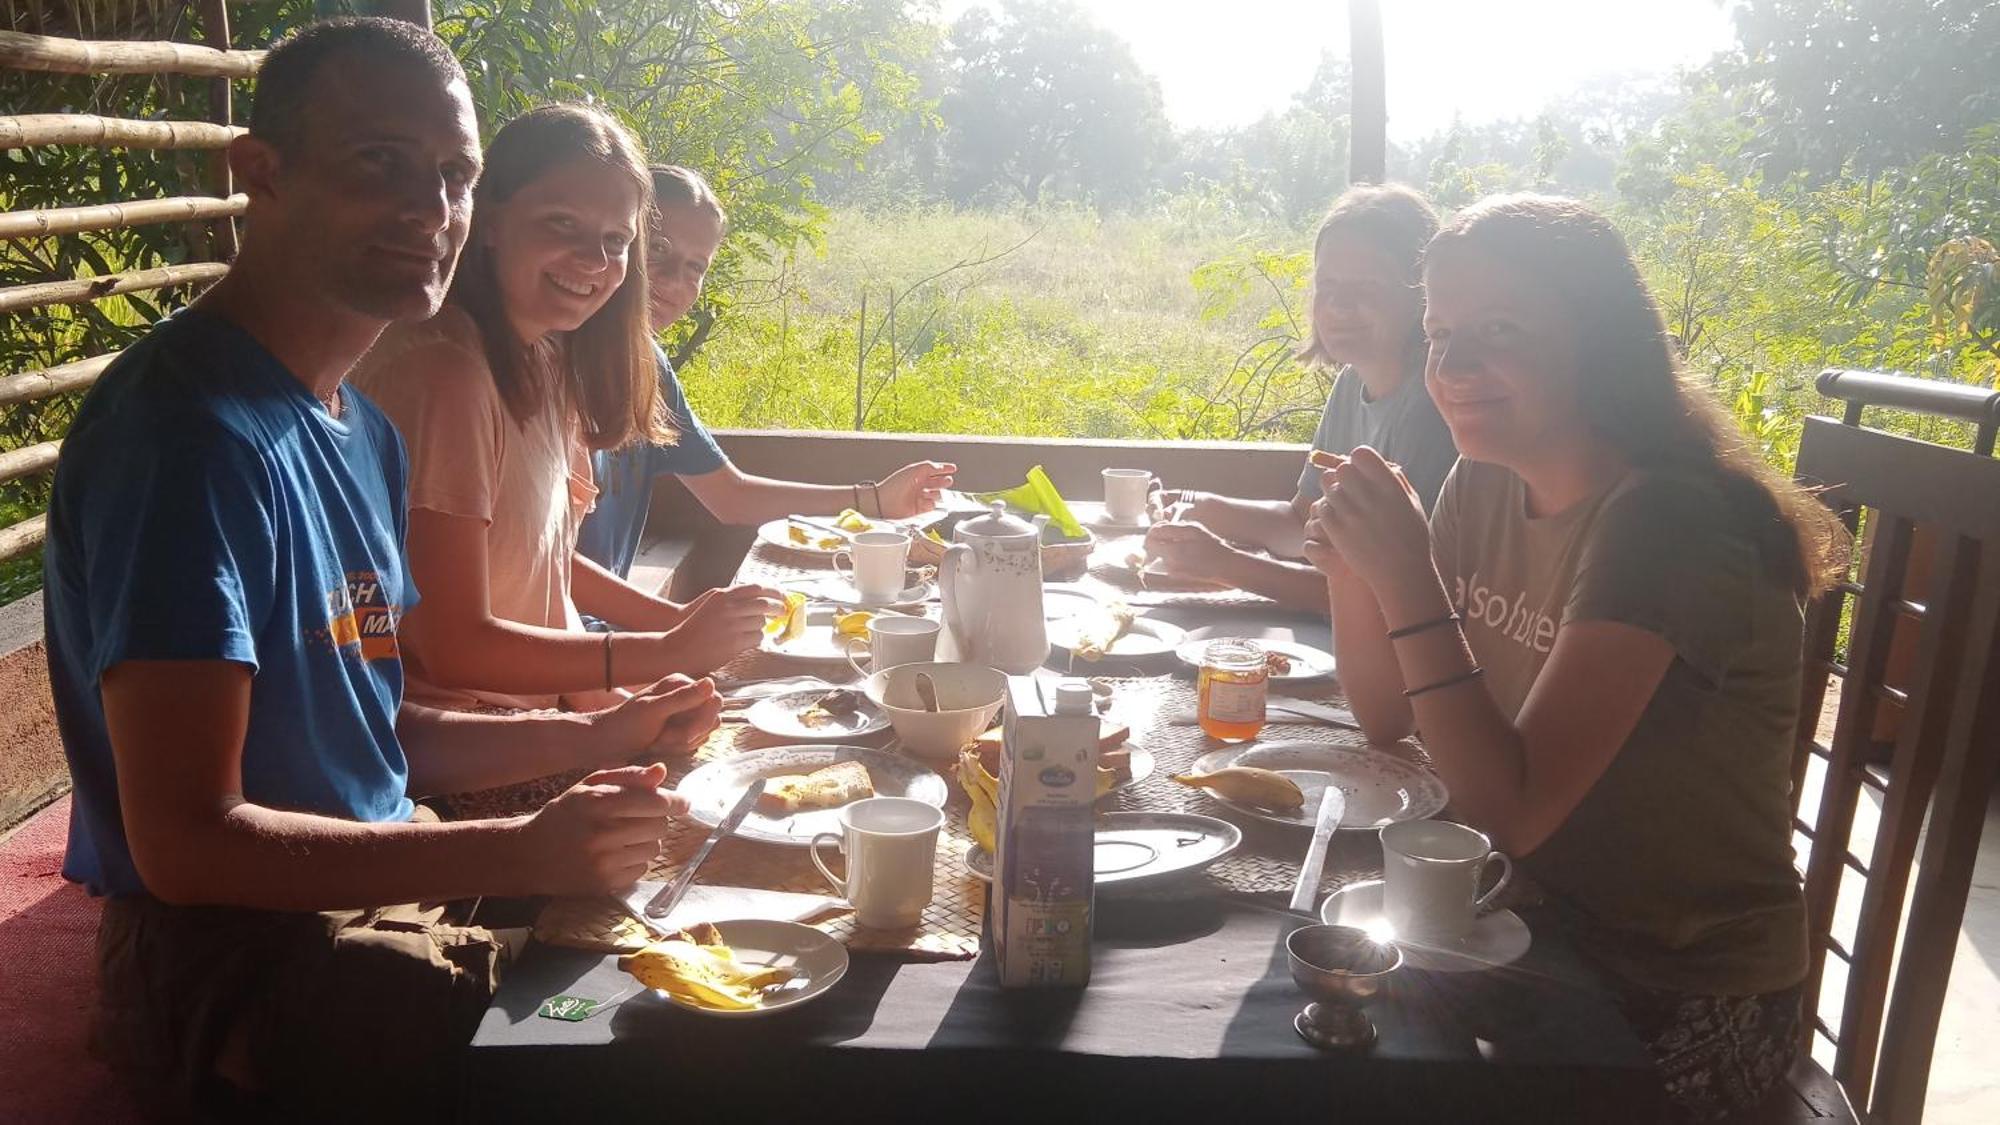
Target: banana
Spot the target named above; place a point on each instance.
(1248, 785)
(852, 624)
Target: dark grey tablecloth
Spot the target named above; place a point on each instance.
(1188, 1014)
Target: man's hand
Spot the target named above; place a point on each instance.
(670, 718)
(914, 488)
(600, 835)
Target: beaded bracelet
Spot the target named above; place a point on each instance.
(1450, 681)
(1423, 626)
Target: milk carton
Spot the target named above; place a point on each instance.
(1042, 876)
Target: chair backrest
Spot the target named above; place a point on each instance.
(1896, 490)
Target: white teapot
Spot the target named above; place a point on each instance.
(991, 581)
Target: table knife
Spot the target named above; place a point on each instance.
(670, 896)
(1332, 806)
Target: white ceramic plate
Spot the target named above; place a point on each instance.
(776, 533)
(1118, 557)
(1308, 663)
(818, 643)
(1381, 788)
(1145, 637)
(1138, 848)
(816, 960)
(781, 716)
(713, 787)
(1498, 937)
(841, 592)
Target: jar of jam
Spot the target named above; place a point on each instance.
(1231, 686)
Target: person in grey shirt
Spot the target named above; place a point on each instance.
(1367, 314)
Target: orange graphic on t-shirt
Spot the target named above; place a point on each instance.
(359, 613)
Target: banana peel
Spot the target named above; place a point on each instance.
(790, 624)
(981, 782)
(852, 624)
(705, 975)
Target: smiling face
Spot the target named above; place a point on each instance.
(1503, 365)
(378, 194)
(680, 246)
(561, 244)
(1365, 308)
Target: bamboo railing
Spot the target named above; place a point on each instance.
(216, 211)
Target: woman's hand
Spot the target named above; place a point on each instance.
(721, 623)
(1189, 550)
(914, 488)
(1318, 545)
(1376, 519)
(670, 718)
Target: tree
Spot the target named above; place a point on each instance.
(1863, 84)
(1043, 101)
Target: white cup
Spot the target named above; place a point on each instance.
(875, 562)
(1431, 870)
(1125, 494)
(894, 639)
(891, 846)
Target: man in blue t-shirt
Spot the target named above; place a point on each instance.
(687, 229)
(226, 573)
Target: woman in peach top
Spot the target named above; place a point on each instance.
(540, 355)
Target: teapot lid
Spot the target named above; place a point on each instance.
(997, 523)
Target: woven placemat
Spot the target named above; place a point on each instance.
(949, 929)
(1268, 861)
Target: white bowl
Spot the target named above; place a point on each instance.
(969, 696)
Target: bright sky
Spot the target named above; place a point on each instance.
(1228, 64)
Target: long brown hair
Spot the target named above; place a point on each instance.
(606, 363)
(1634, 395)
(1390, 217)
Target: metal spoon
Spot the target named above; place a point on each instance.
(927, 692)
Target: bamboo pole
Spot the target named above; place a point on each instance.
(28, 460)
(47, 53)
(108, 285)
(83, 129)
(221, 111)
(51, 381)
(51, 221)
(23, 537)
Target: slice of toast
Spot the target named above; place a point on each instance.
(828, 788)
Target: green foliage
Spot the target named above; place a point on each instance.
(1838, 86)
(1046, 102)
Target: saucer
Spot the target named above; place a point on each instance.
(1498, 937)
(840, 591)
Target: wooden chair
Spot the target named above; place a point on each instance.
(1888, 969)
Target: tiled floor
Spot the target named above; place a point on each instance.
(1965, 1083)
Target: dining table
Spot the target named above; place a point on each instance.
(1189, 1008)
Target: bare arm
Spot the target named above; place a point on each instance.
(177, 730)
(453, 752)
(1192, 550)
(604, 595)
(734, 496)
(454, 639)
(1276, 526)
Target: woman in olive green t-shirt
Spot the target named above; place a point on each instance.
(1598, 632)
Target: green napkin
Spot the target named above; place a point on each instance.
(1038, 497)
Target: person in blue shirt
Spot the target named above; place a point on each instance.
(225, 580)
(688, 226)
